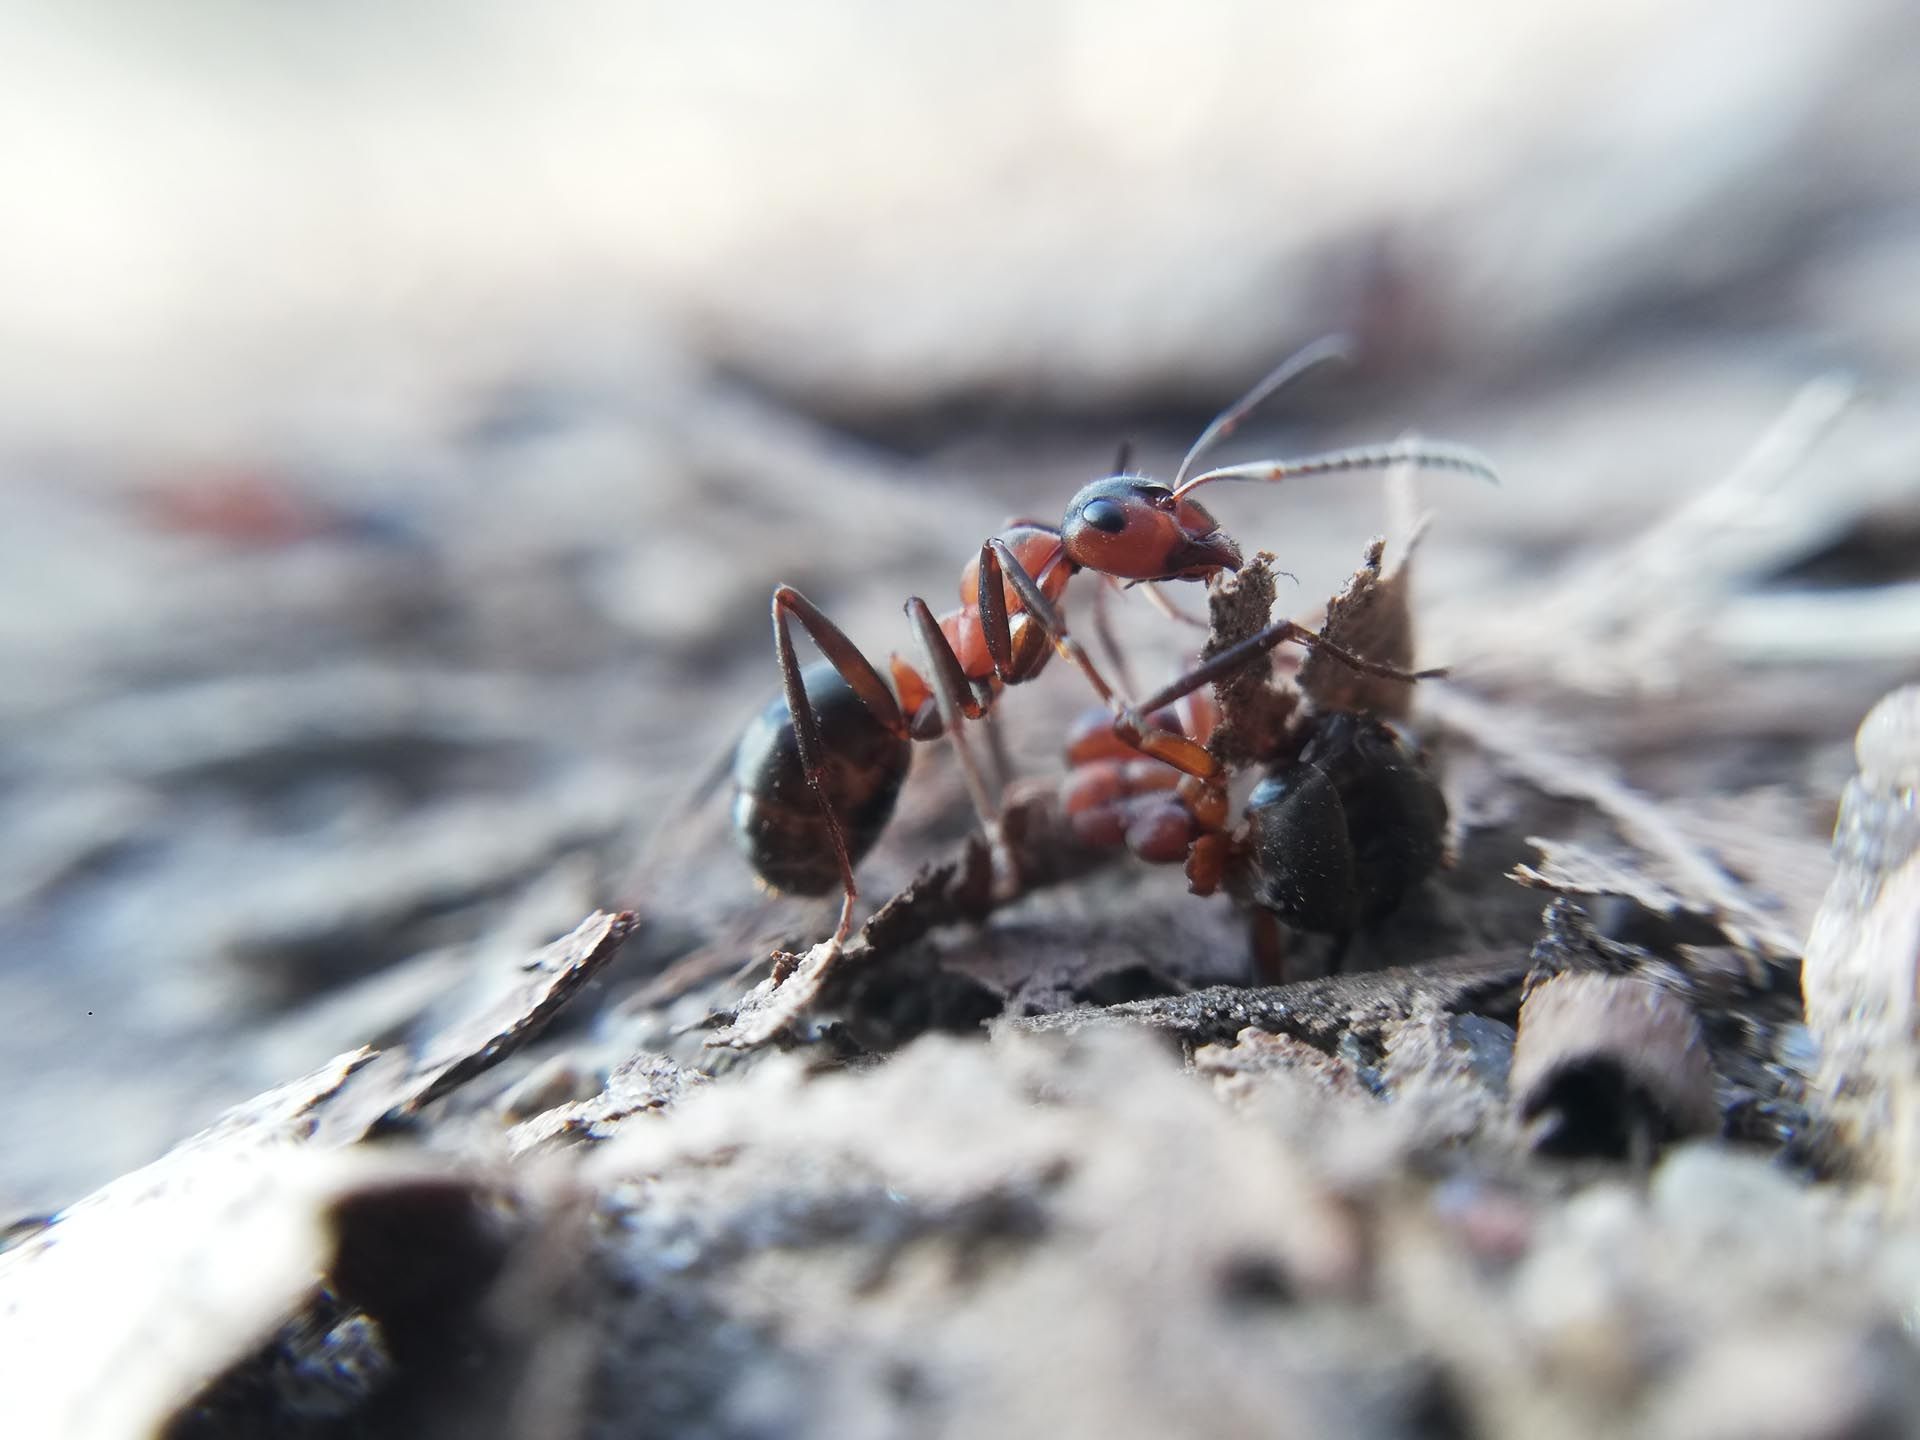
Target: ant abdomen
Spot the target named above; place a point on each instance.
(777, 820)
(1341, 835)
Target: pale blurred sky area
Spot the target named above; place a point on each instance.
(211, 205)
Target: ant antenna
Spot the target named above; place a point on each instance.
(1320, 352)
(1372, 457)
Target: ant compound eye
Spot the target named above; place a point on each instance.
(1104, 515)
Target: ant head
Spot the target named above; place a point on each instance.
(1134, 528)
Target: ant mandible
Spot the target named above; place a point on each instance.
(818, 771)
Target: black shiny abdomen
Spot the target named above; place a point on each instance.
(1344, 832)
(777, 822)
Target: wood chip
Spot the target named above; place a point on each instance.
(396, 1089)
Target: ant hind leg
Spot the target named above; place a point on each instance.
(865, 681)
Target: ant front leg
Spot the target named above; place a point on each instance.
(1014, 662)
(1237, 656)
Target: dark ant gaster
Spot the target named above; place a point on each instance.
(818, 772)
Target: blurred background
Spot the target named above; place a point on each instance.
(405, 411)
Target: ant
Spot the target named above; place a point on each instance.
(1345, 822)
(818, 771)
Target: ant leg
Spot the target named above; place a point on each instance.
(1267, 947)
(1176, 750)
(1342, 943)
(1187, 756)
(954, 694)
(1103, 631)
(1238, 656)
(840, 652)
(865, 681)
(998, 754)
(1160, 601)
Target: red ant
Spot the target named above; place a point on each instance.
(1346, 821)
(818, 772)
